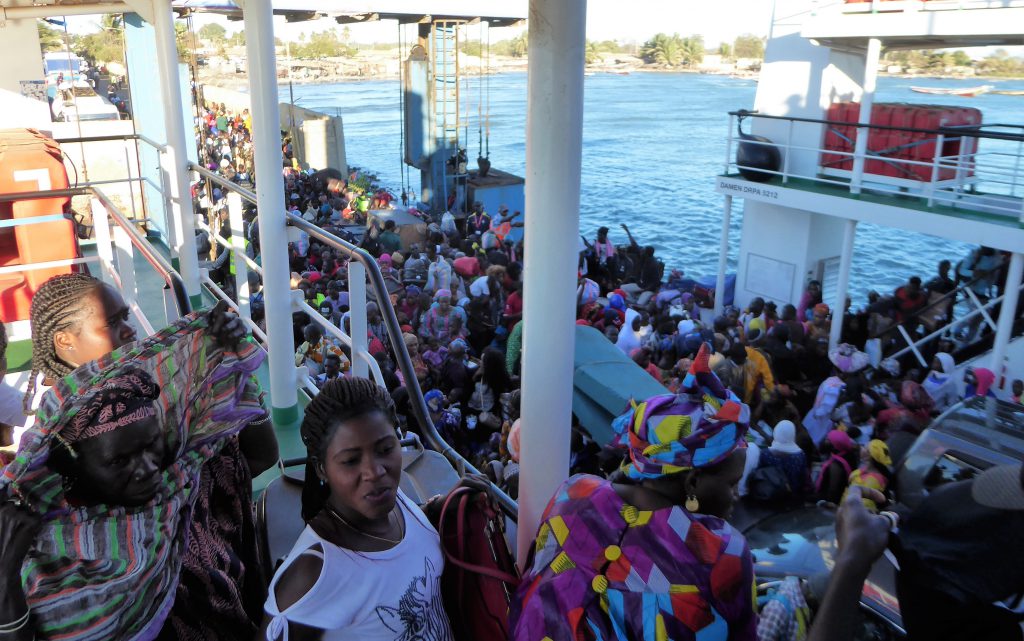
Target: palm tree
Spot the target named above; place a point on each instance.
(663, 49)
(674, 50)
(692, 50)
(50, 39)
(520, 45)
(591, 53)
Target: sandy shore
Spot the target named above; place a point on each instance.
(383, 64)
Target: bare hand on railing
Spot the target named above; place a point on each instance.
(226, 328)
(477, 482)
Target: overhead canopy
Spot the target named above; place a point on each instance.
(506, 13)
(938, 24)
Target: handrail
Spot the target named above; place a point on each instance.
(158, 262)
(112, 137)
(981, 310)
(247, 194)
(931, 306)
(226, 244)
(959, 130)
(416, 400)
(39, 195)
(106, 138)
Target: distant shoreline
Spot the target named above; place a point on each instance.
(239, 81)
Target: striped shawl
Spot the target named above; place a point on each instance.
(109, 572)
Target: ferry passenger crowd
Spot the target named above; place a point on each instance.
(126, 511)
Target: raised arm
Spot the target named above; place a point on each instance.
(632, 241)
(862, 538)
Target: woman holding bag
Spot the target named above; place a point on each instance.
(368, 565)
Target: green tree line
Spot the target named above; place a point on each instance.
(673, 50)
(106, 44)
(997, 63)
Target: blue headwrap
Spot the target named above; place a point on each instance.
(435, 400)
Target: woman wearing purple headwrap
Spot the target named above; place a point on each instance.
(649, 555)
(651, 550)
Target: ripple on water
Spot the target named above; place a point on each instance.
(652, 146)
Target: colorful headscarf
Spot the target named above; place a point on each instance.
(841, 442)
(879, 452)
(121, 401)
(616, 301)
(412, 290)
(699, 427)
(442, 293)
(985, 378)
(458, 342)
(821, 308)
(106, 572)
(435, 400)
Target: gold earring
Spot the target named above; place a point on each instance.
(692, 504)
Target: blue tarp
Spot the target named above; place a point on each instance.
(730, 286)
(604, 380)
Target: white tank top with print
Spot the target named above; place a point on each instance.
(394, 595)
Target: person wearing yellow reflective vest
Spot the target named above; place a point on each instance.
(231, 256)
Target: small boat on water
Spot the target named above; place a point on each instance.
(1008, 93)
(966, 92)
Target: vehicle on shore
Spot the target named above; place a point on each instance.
(65, 65)
(78, 102)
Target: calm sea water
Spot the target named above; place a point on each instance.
(652, 145)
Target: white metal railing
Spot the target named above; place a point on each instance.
(129, 179)
(363, 363)
(956, 174)
(362, 268)
(979, 313)
(117, 241)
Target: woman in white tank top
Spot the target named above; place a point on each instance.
(368, 564)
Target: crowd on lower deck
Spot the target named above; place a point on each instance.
(827, 419)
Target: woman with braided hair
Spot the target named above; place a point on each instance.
(103, 508)
(358, 524)
(77, 319)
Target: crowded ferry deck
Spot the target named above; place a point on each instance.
(250, 392)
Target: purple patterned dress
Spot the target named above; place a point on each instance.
(602, 569)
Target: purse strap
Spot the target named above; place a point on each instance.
(464, 494)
